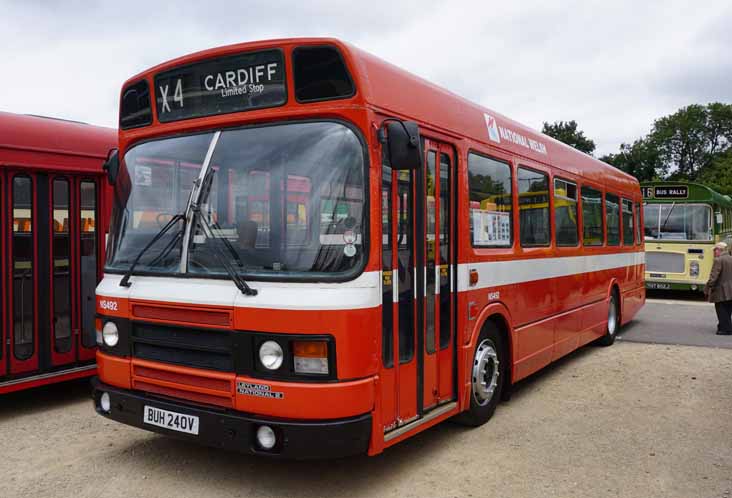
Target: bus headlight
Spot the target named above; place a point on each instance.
(271, 355)
(110, 334)
(694, 268)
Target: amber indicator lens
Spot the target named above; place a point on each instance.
(311, 357)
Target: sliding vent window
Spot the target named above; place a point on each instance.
(23, 281)
(320, 74)
(612, 207)
(491, 204)
(565, 212)
(61, 266)
(592, 217)
(534, 207)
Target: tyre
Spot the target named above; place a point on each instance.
(488, 376)
(613, 322)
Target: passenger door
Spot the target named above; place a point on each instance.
(418, 310)
(51, 253)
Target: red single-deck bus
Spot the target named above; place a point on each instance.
(314, 253)
(52, 216)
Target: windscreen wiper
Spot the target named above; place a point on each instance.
(125, 282)
(673, 205)
(233, 274)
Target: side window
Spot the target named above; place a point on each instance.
(627, 223)
(489, 182)
(612, 208)
(565, 212)
(592, 233)
(638, 225)
(534, 207)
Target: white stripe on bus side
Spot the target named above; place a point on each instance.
(496, 273)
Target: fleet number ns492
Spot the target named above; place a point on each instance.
(108, 305)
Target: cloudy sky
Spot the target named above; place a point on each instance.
(612, 66)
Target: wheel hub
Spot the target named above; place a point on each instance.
(485, 372)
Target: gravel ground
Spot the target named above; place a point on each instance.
(633, 420)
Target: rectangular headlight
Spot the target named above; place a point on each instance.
(311, 357)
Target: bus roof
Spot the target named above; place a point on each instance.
(29, 140)
(696, 193)
(392, 90)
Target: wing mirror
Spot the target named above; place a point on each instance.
(111, 166)
(404, 144)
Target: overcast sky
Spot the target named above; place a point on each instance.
(614, 66)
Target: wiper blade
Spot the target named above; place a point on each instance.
(125, 282)
(233, 274)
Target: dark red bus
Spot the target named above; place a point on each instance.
(53, 216)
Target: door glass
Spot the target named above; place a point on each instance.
(406, 267)
(23, 267)
(61, 266)
(387, 308)
(445, 316)
(88, 263)
(430, 259)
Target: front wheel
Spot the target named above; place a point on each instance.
(613, 322)
(488, 376)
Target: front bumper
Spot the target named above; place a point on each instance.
(231, 430)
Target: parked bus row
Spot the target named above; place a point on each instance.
(313, 253)
(52, 217)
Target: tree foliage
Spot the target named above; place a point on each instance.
(690, 139)
(568, 132)
(692, 144)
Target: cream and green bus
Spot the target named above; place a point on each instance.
(682, 222)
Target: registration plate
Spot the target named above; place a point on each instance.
(654, 285)
(170, 420)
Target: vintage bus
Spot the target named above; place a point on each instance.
(341, 254)
(683, 221)
(52, 217)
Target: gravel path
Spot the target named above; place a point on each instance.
(633, 420)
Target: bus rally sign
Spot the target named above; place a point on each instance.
(666, 192)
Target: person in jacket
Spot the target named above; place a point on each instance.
(719, 289)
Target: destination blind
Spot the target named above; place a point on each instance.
(242, 82)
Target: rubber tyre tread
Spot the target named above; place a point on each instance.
(609, 339)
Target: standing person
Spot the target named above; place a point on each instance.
(719, 289)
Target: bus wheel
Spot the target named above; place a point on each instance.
(487, 377)
(613, 322)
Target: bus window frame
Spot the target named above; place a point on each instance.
(550, 205)
(507, 160)
(603, 229)
(576, 207)
(349, 74)
(623, 242)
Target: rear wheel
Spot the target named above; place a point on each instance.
(613, 322)
(487, 377)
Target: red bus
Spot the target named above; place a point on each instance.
(52, 215)
(358, 254)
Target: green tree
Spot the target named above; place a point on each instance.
(718, 174)
(567, 132)
(689, 140)
(640, 159)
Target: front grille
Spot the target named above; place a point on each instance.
(665, 262)
(210, 349)
(212, 389)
